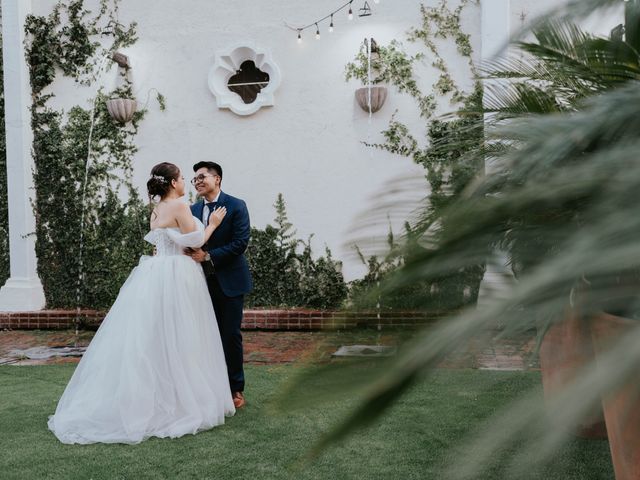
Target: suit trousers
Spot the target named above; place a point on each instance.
(228, 312)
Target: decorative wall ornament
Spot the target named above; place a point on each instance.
(229, 72)
(378, 97)
(122, 109)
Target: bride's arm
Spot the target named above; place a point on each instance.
(187, 223)
(184, 217)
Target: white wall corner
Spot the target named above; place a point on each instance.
(495, 27)
(22, 295)
(23, 291)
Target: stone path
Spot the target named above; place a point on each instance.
(38, 347)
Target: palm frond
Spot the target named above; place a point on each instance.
(587, 160)
(557, 72)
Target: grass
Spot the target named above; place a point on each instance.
(414, 441)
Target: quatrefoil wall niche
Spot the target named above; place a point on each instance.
(244, 79)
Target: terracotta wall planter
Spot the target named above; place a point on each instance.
(566, 348)
(622, 407)
(378, 97)
(122, 109)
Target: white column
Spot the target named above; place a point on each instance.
(495, 31)
(23, 291)
(495, 26)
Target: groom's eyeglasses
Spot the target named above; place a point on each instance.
(200, 178)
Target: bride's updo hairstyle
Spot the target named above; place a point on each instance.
(160, 182)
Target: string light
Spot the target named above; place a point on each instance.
(365, 12)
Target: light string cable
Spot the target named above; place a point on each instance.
(316, 22)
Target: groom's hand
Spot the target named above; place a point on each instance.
(198, 255)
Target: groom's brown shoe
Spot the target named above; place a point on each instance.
(238, 399)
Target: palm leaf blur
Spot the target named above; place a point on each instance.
(558, 71)
(562, 199)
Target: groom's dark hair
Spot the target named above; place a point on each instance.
(209, 166)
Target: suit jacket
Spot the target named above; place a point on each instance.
(227, 245)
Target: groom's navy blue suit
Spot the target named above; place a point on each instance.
(228, 278)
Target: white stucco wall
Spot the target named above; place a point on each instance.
(600, 23)
(308, 146)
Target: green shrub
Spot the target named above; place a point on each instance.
(285, 277)
(445, 293)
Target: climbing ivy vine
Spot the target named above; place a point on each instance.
(77, 43)
(444, 153)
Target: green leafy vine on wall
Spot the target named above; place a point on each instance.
(448, 168)
(392, 65)
(71, 40)
(388, 64)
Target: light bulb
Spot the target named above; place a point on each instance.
(331, 24)
(317, 32)
(299, 37)
(350, 14)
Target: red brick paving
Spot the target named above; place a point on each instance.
(265, 347)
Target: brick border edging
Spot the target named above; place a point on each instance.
(254, 319)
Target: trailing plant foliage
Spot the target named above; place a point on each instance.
(67, 39)
(388, 64)
(445, 157)
(285, 272)
(451, 163)
(4, 211)
(112, 237)
(392, 65)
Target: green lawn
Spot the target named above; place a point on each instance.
(414, 441)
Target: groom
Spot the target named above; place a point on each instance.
(225, 266)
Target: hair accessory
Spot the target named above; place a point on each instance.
(160, 177)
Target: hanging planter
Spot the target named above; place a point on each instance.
(378, 97)
(122, 109)
(367, 68)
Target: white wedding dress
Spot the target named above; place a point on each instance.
(155, 367)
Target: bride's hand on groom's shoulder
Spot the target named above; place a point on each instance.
(216, 217)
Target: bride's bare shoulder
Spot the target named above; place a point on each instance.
(177, 204)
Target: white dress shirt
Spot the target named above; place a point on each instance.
(205, 210)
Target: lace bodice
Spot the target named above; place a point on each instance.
(170, 241)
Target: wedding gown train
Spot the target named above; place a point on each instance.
(155, 366)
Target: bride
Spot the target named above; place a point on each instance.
(155, 367)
